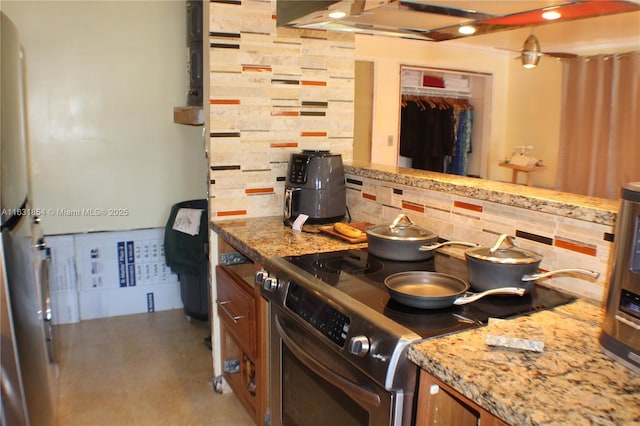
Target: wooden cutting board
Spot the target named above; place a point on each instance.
(328, 229)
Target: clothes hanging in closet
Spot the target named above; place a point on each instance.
(458, 162)
(435, 133)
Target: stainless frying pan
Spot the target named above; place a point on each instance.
(434, 290)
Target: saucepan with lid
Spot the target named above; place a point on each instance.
(508, 265)
(402, 240)
(434, 290)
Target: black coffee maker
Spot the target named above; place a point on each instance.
(315, 186)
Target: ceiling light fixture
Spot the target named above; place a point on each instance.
(551, 15)
(467, 29)
(337, 14)
(530, 52)
(530, 59)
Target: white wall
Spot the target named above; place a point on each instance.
(533, 116)
(518, 98)
(102, 80)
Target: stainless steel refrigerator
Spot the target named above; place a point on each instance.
(27, 347)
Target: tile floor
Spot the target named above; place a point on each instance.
(146, 369)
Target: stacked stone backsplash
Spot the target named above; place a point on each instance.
(273, 91)
(564, 242)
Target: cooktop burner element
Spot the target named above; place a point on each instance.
(351, 263)
(360, 275)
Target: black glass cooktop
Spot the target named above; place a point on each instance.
(361, 275)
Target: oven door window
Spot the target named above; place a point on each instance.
(313, 385)
(309, 399)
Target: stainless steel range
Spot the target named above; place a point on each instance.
(338, 341)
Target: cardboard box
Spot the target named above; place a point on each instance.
(63, 284)
(62, 264)
(122, 259)
(109, 302)
(65, 307)
(102, 274)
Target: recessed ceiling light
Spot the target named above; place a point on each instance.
(337, 14)
(551, 15)
(467, 29)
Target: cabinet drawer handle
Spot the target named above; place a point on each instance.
(226, 311)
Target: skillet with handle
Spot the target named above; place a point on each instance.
(434, 290)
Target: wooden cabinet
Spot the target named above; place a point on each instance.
(439, 404)
(236, 308)
(242, 313)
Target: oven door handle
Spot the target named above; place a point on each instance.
(362, 396)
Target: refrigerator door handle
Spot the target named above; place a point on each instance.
(49, 333)
(41, 244)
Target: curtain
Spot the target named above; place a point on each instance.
(600, 126)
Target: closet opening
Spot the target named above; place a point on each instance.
(444, 117)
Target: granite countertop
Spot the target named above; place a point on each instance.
(571, 382)
(263, 237)
(591, 209)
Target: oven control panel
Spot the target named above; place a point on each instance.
(322, 316)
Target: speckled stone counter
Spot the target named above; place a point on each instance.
(263, 237)
(570, 383)
(590, 209)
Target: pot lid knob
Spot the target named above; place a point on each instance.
(501, 239)
(401, 221)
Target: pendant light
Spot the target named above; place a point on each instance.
(530, 52)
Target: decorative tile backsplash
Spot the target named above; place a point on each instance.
(273, 91)
(563, 242)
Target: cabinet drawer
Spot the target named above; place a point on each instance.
(236, 308)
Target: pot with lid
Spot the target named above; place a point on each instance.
(498, 266)
(401, 240)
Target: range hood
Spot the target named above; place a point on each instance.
(435, 20)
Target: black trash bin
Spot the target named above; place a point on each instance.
(188, 256)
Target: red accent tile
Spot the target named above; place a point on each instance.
(256, 68)
(224, 102)
(413, 206)
(313, 133)
(468, 206)
(285, 113)
(254, 191)
(368, 196)
(284, 145)
(313, 83)
(591, 251)
(231, 213)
